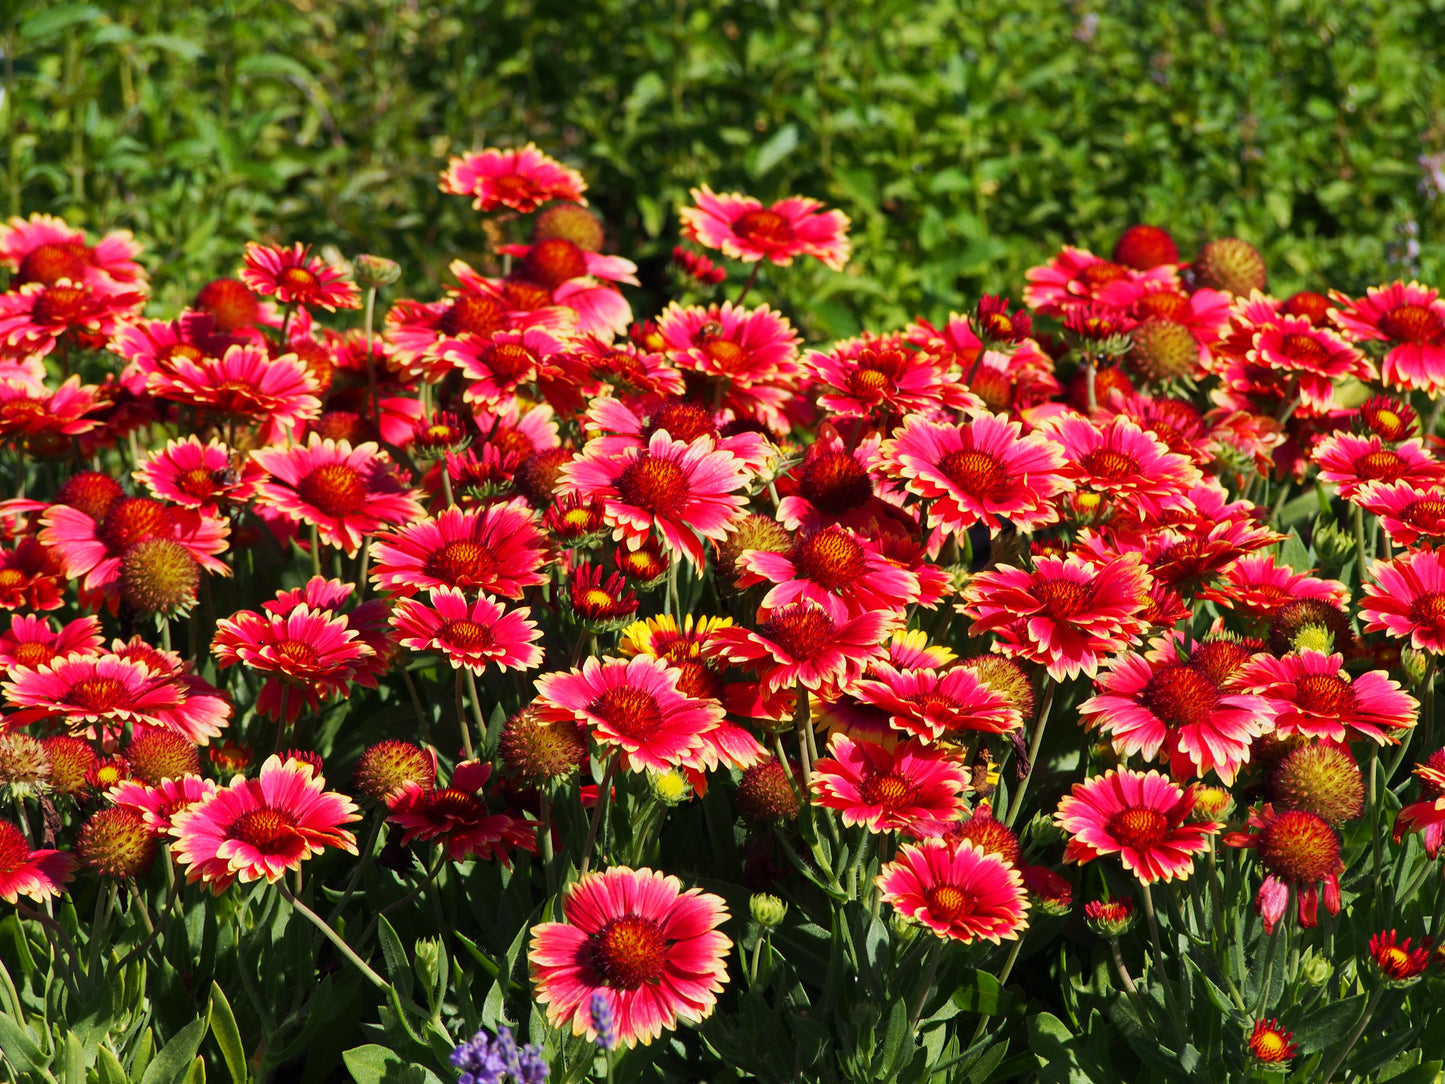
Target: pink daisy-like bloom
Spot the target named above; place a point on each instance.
(46, 249)
(25, 872)
(345, 493)
(84, 691)
(1205, 312)
(32, 641)
(911, 788)
(931, 703)
(294, 277)
(552, 262)
(1069, 614)
(884, 378)
(1349, 461)
(159, 804)
(152, 346)
(469, 634)
(1312, 695)
(28, 411)
(1004, 382)
(834, 568)
(1119, 461)
(1316, 356)
(498, 550)
(1299, 851)
(202, 711)
(652, 951)
(801, 644)
(500, 363)
(312, 653)
(1410, 316)
(833, 484)
(616, 427)
(262, 827)
(1179, 712)
(957, 889)
(747, 346)
(682, 491)
(1138, 816)
(633, 704)
(1256, 586)
(741, 228)
(522, 179)
(1427, 815)
(458, 814)
(625, 368)
(1406, 599)
(981, 471)
(35, 317)
(1076, 276)
(207, 476)
(1408, 513)
(245, 385)
(369, 620)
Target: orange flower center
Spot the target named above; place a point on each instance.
(993, 837)
(1380, 465)
(509, 363)
(1412, 324)
(1428, 514)
(633, 713)
(1180, 695)
(132, 520)
(296, 656)
(1165, 304)
(298, 278)
(197, 482)
(830, 559)
(1325, 694)
(48, 264)
(1110, 465)
(1268, 1046)
(1139, 827)
(336, 490)
(594, 600)
(478, 315)
(97, 695)
(869, 384)
(1395, 962)
(889, 791)
(32, 654)
(948, 903)
(1220, 658)
(59, 304)
(525, 295)
(261, 828)
(178, 350)
(1387, 423)
(463, 563)
(1060, 598)
(1304, 349)
(802, 633)
(465, 634)
(1095, 276)
(657, 486)
(764, 228)
(629, 952)
(835, 483)
(11, 578)
(724, 353)
(1428, 608)
(979, 474)
(640, 565)
(1299, 846)
(231, 304)
(90, 492)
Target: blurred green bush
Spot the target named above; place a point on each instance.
(965, 140)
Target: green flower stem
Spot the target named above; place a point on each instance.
(1008, 966)
(315, 552)
(370, 362)
(1128, 983)
(544, 793)
(1377, 844)
(362, 859)
(930, 971)
(1269, 958)
(1017, 801)
(476, 702)
(1360, 542)
(1354, 1037)
(604, 793)
(747, 286)
(803, 724)
(100, 924)
(1169, 1003)
(468, 751)
(331, 935)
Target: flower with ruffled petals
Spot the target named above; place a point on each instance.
(1408, 513)
(1256, 586)
(85, 691)
(1298, 850)
(1270, 1044)
(312, 653)
(66, 411)
(1398, 964)
(1076, 276)
(458, 815)
(31, 641)
(469, 634)
(1123, 464)
(742, 346)
(1311, 694)
(158, 805)
(1407, 599)
(498, 550)
(294, 277)
(499, 363)
(46, 249)
(958, 890)
(911, 788)
(1349, 461)
(1068, 614)
(835, 568)
(634, 937)
(1317, 357)
(743, 229)
(30, 577)
(203, 476)
(344, 492)
(262, 827)
(802, 644)
(1427, 815)
(522, 179)
(884, 378)
(1139, 816)
(931, 703)
(245, 386)
(1412, 318)
(36, 317)
(25, 872)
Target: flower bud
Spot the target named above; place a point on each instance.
(768, 910)
(373, 272)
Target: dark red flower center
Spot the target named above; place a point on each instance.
(134, 519)
(336, 490)
(803, 632)
(633, 713)
(554, 261)
(835, 483)
(11, 578)
(465, 634)
(1063, 598)
(629, 952)
(683, 421)
(296, 656)
(1325, 694)
(1219, 658)
(450, 803)
(1139, 827)
(231, 304)
(262, 828)
(32, 653)
(197, 482)
(978, 473)
(888, 791)
(764, 228)
(97, 695)
(1304, 349)
(463, 563)
(1163, 304)
(1412, 324)
(829, 558)
(1096, 276)
(933, 704)
(509, 363)
(1382, 464)
(1427, 514)
(1180, 695)
(14, 850)
(948, 903)
(297, 278)
(993, 837)
(658, 486)
(869, 385)
(1299, 846)
(48, 264)
(1110, 465)
(1428, 608)
(60, 305)
(513, 187)
(525, 296)
(478, 315)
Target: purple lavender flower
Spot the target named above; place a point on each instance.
(602, 1020)
(488, 1060)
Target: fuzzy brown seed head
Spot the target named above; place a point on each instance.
(71, 760)
(536, 751)
(753, 532)
(1231, 265)
(1164, 350)
(158, 755)
(116, 844)
(568, 222)
(1322, 779)
(765, 794)
(158, 576)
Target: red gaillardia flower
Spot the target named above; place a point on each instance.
(1411, 317)
(1406, 598)
(742, 228)
(344, 492)
(633, 704)
(83, 691)
(1398, 963)
(1408, 513)
(261, 827)
(882, 379)
(1428, 814)
(500, 363)
(497, 550)
(1270, 1044)
(1076, 276)
(245, 385)
(930, 703)
(1141, 817)
(25, 872)
(911, 788)
(202, 476)
(28, 411)
(458, 814)
(1349, 461)
(958, 890)
(1134, 470)
(469, 634)
(802, 644)
(982, 471)
(522, 179)
(835, 568)
(293, 276)
(158, 804)
(1298, 850)
(1068, 614)
(46, 249)
(634, 937)
(681, 490)
(31, 641)
(1311, 694)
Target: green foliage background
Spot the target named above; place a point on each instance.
(966, 140)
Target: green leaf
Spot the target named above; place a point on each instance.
(398, 967)
(19, 1046)
(109, 1067)
(979, 992)
(895, 1035)
(227, 1034)
(781, 144)
(72, 1068)
(1324, 1027)
(50, 21)
(197, 1075)
(372, 1064)
(172, 1063)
